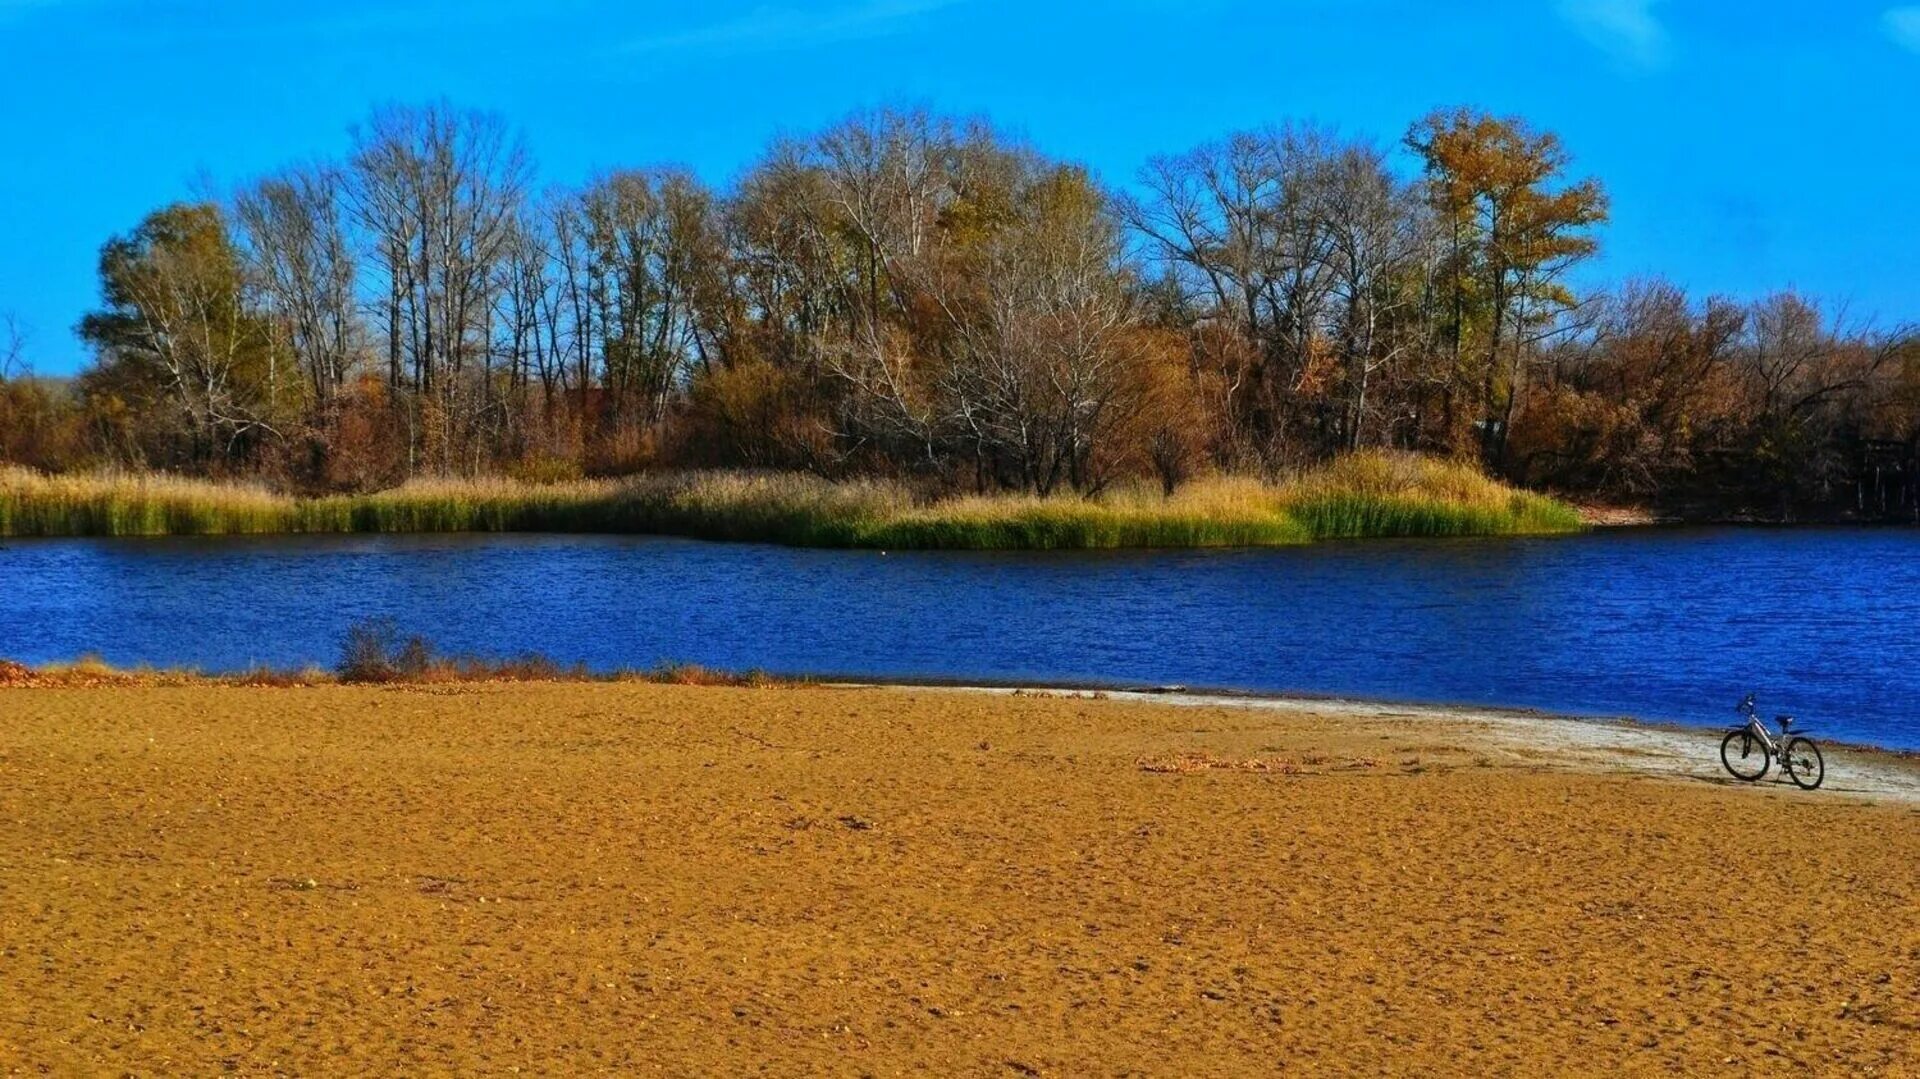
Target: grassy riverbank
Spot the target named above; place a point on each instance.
(1367, 495)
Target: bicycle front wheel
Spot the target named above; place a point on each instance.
(1744, 755)
(1804, 764)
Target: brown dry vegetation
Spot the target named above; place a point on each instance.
(903, 295)
(1363, 495)
(660, 880)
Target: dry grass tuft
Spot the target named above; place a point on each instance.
(1197, 761)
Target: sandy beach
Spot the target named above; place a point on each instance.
(641, 879)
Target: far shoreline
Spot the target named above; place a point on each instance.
(1363, 495)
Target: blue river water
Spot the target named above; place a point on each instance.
(1656, 624)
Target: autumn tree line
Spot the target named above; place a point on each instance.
(913, 295)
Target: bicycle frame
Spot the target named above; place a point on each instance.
(1759, 730)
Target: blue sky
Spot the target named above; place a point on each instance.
(1747, 146)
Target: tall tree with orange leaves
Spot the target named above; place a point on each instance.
(1514, 225)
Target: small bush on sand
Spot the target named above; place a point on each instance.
(373, 650)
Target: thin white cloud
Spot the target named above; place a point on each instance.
(10, 8)
(1903, 26)
(769, 28)
(1628, 30)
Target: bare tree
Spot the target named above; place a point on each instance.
(437, 192)
(654, 256)
(294, 229)
(1237, 227)
(1045, 360)
(1374, 228)
(885, 177)
(13, 347)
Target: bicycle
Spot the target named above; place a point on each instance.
(1750, 749)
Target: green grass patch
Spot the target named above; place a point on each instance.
(1374, 495)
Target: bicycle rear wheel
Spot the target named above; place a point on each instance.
(1744, 756)
(1804, 764)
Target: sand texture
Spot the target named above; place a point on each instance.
(641, 879)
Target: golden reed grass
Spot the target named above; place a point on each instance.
(1364, 495)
